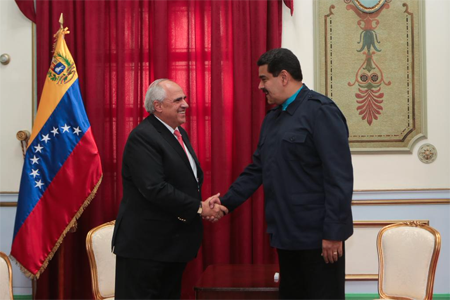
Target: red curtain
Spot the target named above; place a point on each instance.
(209, 47)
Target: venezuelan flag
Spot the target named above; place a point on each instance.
(62, 169)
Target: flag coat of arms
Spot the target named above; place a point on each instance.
(62, 169)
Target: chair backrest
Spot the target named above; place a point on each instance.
(102, 260)
(407, 254)
(5, 277)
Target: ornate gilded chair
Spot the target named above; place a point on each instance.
(6, 291)
(102, 261)
(407, 257)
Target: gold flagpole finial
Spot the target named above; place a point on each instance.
(61, 31)
(61, 20)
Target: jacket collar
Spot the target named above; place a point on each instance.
(298, 100)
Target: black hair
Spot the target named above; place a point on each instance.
(281, 59)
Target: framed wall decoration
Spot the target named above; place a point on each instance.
(369, 58)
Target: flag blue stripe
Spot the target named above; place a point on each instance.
(69, 111)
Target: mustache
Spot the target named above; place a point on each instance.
(264, 91)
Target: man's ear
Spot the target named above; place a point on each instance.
(157, 105)
(284, 77)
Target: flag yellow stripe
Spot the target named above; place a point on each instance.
(53, 91)
(51, 94)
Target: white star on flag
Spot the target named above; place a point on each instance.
(34, 173)
(39, 184)
(45, 138)
(76, 130)
(38, 148)
(65, 128)
(34, 160)
(55, 131)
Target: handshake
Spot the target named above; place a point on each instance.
(212, 210)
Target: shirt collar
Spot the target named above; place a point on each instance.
(168, 127)
(290, 99)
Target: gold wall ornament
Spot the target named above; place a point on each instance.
(23, 136)
(427, 153)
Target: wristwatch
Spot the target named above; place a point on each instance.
(200, 209)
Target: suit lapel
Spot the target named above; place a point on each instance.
(192, 152)
(170, 139)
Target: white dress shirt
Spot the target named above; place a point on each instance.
(191, 159)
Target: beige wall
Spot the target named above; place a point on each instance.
(15, 91)
(15, 114)
(394, 171)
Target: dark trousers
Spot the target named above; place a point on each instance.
(305, 275)
(147, 279)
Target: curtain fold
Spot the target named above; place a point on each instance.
(27, 8)
(209, 47)
(290, 5)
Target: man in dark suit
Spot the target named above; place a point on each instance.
(303, 160)
(159, 224)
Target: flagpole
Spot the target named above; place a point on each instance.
(61, 249)
(73, 229)
(33, 287)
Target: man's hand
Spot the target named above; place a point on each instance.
(213, 212)
(214, 200)
(331, 250)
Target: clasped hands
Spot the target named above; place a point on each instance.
(212, 210)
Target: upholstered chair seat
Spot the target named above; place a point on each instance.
(408, 254)
(102, 261)
(5, 278)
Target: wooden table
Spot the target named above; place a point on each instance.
(238, 282)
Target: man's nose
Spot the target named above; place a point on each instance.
(184, 104)
(261, 85)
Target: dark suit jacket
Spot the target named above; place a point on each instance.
(158, 216)
(303, 160)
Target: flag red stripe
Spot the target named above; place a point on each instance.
(51, 215)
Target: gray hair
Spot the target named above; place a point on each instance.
(154, 93)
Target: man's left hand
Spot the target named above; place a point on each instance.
(331, 250)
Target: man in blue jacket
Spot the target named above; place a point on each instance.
(303, 160)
